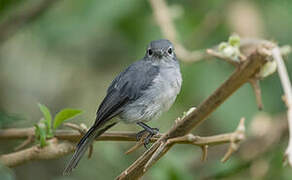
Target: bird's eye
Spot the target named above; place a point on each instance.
(169, 51)
(150, 52)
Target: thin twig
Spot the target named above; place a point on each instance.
(222, 57)
(69, 135)
(81, 129)
(239, 134)
(140, 143)
(135, 147)
(286, 84)
(90, 151)
(30, 139)
(204, 152)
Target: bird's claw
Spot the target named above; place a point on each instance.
(140, 134)
(151, 132)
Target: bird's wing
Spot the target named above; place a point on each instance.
(126, 88)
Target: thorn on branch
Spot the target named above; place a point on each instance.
(237, 135)
(232, 148)
(255, 84)
(204, 152)
(185, 114)
(284, 99)
(90, 151)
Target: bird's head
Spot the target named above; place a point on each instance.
(160, 49)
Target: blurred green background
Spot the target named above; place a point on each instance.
(68, 56)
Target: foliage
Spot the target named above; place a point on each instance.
(44, 129)
(231, 48)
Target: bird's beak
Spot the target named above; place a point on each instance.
(159, 53)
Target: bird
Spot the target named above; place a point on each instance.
(142, 92)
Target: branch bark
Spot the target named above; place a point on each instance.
(54, 149)
(70, 135)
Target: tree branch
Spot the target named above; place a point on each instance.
(51, 151)
(286, 84)
(54, 149)
(69, 135)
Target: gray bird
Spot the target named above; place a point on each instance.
(141, 93)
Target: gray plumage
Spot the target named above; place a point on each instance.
(141, 93)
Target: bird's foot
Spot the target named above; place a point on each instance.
(151, 132)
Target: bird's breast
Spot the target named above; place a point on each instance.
(168, 85)
(156, 99)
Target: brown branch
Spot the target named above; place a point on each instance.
(13, 23)
(69, 135)
(55, 149)
(82, 129)
(222, 57)
(233, 138)
(253, 81)
(286, 84)
(241, 75)
(52, 151)
(265, 140)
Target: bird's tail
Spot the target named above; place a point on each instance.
(84, 143)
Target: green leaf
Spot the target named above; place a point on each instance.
(40, 134)
(65, 114)
(48, 119)
(43, 135)
(36, 132)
